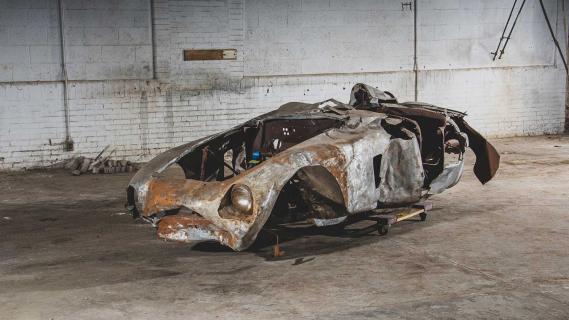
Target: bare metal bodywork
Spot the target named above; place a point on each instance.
(330, 159)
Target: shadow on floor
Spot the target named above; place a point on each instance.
(303, 239)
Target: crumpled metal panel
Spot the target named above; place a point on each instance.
(328, 222)
(402, 172)
(157, 165)
(448, 178)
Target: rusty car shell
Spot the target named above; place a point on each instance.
(341, 159)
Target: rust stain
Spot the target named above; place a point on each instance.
(164, 195)
(170, 226)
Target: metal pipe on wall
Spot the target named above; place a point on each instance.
(415, 65)
(68, 143)
(553, 36)
(152, 38)
(566, 35)
(565, 31)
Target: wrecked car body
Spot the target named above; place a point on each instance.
(318, 162)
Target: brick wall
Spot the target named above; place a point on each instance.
(105, 39)
(29, 41)
(305, 50)
(108, 39)
(316, 37)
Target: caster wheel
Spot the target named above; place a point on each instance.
(382, 229)
(423, 216)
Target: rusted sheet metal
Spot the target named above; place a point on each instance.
(189, 228)
(318, 157)
(487, 157)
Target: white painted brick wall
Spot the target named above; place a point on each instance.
(198, 24)
(522, 94)
(108, 39)
(461, 34)
(29, 41)
(315, 37)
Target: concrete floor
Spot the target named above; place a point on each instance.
(499, 251)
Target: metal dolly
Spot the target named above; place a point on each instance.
(385, 220)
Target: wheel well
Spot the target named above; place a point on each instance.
(312, 192)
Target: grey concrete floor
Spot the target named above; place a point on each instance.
(499, 251)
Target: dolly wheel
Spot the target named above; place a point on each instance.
(423, 216)
(382, 229)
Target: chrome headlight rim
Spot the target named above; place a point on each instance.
(241, 198)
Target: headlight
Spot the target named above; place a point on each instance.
(241, 198)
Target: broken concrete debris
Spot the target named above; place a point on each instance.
(100, 164)
(80, 165)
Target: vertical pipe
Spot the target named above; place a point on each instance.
(553, 36)
(495, 53)
(68, 144)
(511, 30)
(565, 30)
(556, 27)
(415, 65)
(566, 34)
(152, 38)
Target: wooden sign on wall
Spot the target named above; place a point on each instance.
(210, 54)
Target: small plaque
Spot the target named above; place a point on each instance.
(210, 54)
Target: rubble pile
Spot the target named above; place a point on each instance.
(80, 165)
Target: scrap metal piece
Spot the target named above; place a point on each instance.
(190, 228)
(328, 222)
(448, 178)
